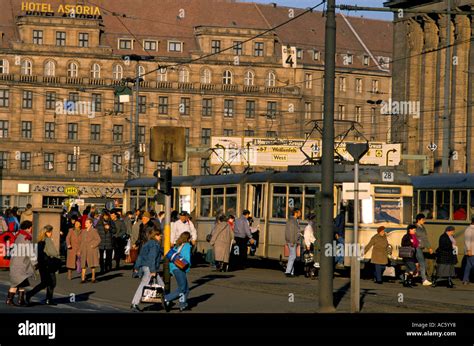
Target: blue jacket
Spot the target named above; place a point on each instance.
(150, 256)
(186, 254)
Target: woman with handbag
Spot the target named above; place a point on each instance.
(73, 243)
(48, 264)
(408, 252)
(183, 248)
(147, 265)
(380, 252)
(446, 257)
(222, 237)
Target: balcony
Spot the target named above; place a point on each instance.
(97, 81)
(51, 80)
(74, 80)
(164, 85)
(251, 89)
(209, 87)
(28, 79)
(230, 87)
(186, 86)
(7, 77)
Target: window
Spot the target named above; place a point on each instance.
(299, 53)
(83, 39)
(60, 38)
(310, 206)
(25, 160)
(4, 98)
(373, 116)
(206, 76)
(141, 164)
(4, 66)
(125, 44)
(249, 133)
(117, 72)
(26, 68)
(94, 163)
(342, 83)
(206, 107)
(250, 109)
(95, 71)
(228, 132)
(348, 59)
(183, 75)
(141, 72)
(185, 106)
(205, 204)
(271, 109)
(150, 46)
(316, 55)
(358, 85)
(249, 78)
(97, 102)
(38, 36)
(307, 110)
(141, 134)
(237, 47)
(215, 46)
(358, 114)
(118, 106)
(49, 130)
(228, 108)
(3, 160)
(460, 205)
(258, 49)
(48, 161)
(271, 134)
(27, 99)
(3, 128)
(175, 46)
(271, 79)
(205, 170)
(163, 105)
(205, 136)
(116, 163)
(95, 132)
(72, 129)
(187, 135)
(227, 78)
(71, 162)
(341, 112)
(375, 86)
(443, 201)
(162, 75)
(142, 104)
(50, 69)
(308, 80)
(279, 202)
(366, 60)
(50, 100)
(72, 101)
(117, 133)
(72, 70)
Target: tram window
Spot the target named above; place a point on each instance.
(279, 202)
(460, 205)
(295, 197)
(442, 205)
(206, 202)
(257, 200)
(407, 210)
(427, 203)
(310, 200)
(218, 202)
(472, 203)
(231, 201)
(387, 211)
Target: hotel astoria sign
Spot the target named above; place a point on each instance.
(92, 191)
(63, 10)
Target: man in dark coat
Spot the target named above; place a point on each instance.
(146, 227)
(119, 237)
(446, 256)
(104, 228)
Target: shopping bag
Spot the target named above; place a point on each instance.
(78, 264)
(389, 271)
(153, 292)
(132, 256)
(128, 247)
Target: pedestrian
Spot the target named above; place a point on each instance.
(182, 291)
(192, 229)
(73, 243)
(291, 238)
(89, 250)
(161, 220)
(128, 222)
(183, 224)
(147, 225)
(380, 253)
(446, 257)
(424, 252)
(409, 244)
(27, 214)
(106, 248)
(85, 216)
(309, 242)
(231, 222)
(147, 266)
(469, 249)
(242, 235)
(48, 264)
(339, 236)
(22, 265)
(119, 237)
(135, 231)
(221, 240)
(12, 221)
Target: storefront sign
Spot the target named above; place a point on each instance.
(63, 10)
(84, 191)
(71, 191)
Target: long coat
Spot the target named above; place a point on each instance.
(74, 241)
(22, 267)
(380, 249)
(105, 235)
(445, 252)
(90, 248)
(222, 237)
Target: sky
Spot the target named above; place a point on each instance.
(311, 3)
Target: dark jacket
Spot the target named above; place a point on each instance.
(292, 230)
(406, 241)
(145, 230)
(422, 236)
(48, 256)
(105, 236)
(380, 249)
(119, 228)
(150, 256)
(445, 252)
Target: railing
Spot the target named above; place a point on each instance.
(51, 80)
(251, 89)
(186, 86)
(273, 90)
(74, 80)
(97, 81)
(164, 85)
(28, 79)
(229, 87)
(7, 77)
(209, 87)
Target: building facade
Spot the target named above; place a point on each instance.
(211, 66)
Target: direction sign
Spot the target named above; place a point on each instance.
(288, 55)
(432, 146)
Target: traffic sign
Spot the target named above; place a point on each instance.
(288, 55)
(432, 146)
(388, 176)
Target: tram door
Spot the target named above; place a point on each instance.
(256, 205)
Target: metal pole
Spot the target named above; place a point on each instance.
(446, 134)
(355, 264)
(326, 299)
(130, 166)
(167, 239)
(137, 125)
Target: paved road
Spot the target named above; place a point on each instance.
(260, 290)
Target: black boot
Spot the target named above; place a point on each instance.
(434, 281)
(10, 297)
(410, 281)
(21, 298)
(405, 280)
(450, 283)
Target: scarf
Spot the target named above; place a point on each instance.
(415, 241)
(25, 234)
(453, 241)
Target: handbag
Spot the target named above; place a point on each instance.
(132, 256)
(389, 271)
(78, 264)
(406, 252)
(153, 292)
(308, 257)
(54, 264)
(175, 257)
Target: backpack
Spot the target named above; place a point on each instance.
(12, 225)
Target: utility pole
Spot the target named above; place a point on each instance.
(137, 115)
(447, 76)
(326, 299)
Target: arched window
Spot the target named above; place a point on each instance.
(271, 79)
(26, 68)
(72, 69)
(163, 74)
(117, 72)
(183, 75)
(249, 78)
(4, 66)
(95, 71)
(141, 72)
(50, 69)
(206, 76)
(227, 77)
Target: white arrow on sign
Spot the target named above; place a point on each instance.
(432, 146)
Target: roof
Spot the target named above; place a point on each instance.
(444, 181)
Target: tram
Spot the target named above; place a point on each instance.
(271, 195)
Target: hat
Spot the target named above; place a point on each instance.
(380, 229)
(183, 213)
(147, 215)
